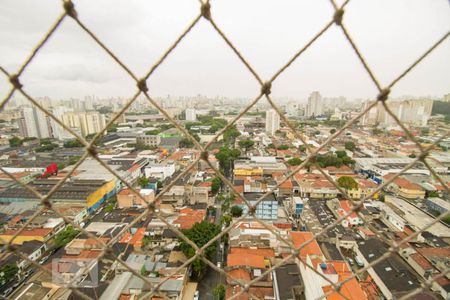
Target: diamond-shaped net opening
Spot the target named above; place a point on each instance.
(111, 247)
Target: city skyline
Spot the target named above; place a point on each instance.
(72, 66)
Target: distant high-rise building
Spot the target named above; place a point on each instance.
(75, 104)
(410, 112)
(315, 105)
(84, 122)
(272, 121)
(446, 97)
(58, 131)
(34, 123)
(191, 115)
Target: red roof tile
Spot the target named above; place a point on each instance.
(250, 260)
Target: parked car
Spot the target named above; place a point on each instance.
(7, 292)
(350, 261)
(359, 262)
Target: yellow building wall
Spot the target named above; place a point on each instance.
(98, 194)
(20, 239)
(248, 172)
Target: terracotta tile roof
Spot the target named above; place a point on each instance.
(240, 274)
(133, 168)
(250, 260)
(421, 261)
(239, 188)
(364, 183)
(260, 292)
(347, 207)
(351, 289)
(342, 169)
(266, 252)
(440, 252)
(188, 217)
(300, 237)
(286, 185)
(205, 184)
(136, 240)
(277, 174)
(402, 182)
(322, 184)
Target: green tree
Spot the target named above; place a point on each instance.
(295, 161)
(72, 144)
(46, 147)
(231, 134)
(219, 292)
(152, 132)
(283, 147)
(349, 145)
(347, 182)
(186, 143)
(226, 219)
(146, 240)
(246, 144)
(109, 208)
(226, 157)
(341, 153)
(200, 234)
(159, 184)
(143, 181)
(65, 236)
(236, 211)
(302, 148)
(333, 131)
(216, 184)
(271, 146)
(15, 142)
(8, 272)
(433, 194)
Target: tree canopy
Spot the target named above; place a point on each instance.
(349, 145)
(226, 156)
(65, 236)
(200, 234)
(347, 182)
(73, 144)
(15, 142)
(236, 211)
(246, 144)
(143, 181)
(231, 134)
(283, 147)
(219, 292)
(295, 161)
(216, 184)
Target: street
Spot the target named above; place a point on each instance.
(212, 278)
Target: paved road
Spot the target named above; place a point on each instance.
(212, 278)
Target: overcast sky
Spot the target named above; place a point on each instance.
(391, 34)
